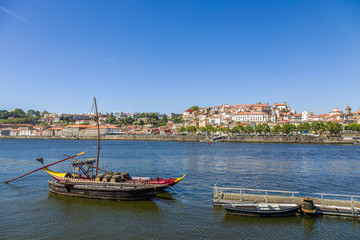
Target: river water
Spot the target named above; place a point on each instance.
(29, 211)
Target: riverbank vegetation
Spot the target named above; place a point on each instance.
(153, 120)
(18, 116)
(332, 128)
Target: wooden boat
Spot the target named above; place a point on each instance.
(83, 182)
(74, 178)
(108, 190)
(263, 209)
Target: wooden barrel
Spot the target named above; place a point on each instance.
(125, 176)
(68, 174)
(116, 178)
(106, 178)
(99, 177)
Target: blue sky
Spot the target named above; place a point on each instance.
(166, 56)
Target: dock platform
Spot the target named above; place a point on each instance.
(325, 203)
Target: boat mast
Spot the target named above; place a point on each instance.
(98, 137)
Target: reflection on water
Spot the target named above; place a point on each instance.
(78, 202)
(309, 223)
(166, 195)
(29, 211)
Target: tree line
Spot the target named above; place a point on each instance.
(19, 116)
(144, 118)
(316, 127)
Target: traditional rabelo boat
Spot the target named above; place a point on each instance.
(263, 209)
(114, 186)
(86, 182)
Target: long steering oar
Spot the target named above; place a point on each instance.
(44, 167)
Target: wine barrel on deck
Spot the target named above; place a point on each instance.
(106, 178)
(116, 178)
(99, 177)
(125, 176)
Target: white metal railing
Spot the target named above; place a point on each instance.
(219, 190)
(337, 195)
(355, 211)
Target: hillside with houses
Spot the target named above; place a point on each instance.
(259, 118)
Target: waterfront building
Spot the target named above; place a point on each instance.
(26, 130)
(203, 123)
(190, 114)
(120, 115)
(110, 129)
(296, 117)
(357, 116)
(281, 106)
(304, 116)
(80, 116)
(5, 132)
(250, 117)
(173, 115)
(349, 117)
(336, 112)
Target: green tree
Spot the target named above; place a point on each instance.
(181, 129)
(202, 129)
(67, 120)
(129, 120)
(352, 127)
(177, 119)
(27, 120)
(164, 118)
(237, 129)
(240, 127)
(248, 129)
(4, 114)
(191, 129)
(111, 120)
(194, 108)
(44, 112)
(265, 128)
(259, 128)
(17, 113)
(30, 113)
(154, 117)
(304, 127)
(223, 130)
(276, 129)
(288, 128)
(210, 129)
(334, 127)
(318, 127)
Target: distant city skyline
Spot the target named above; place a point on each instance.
(166, 56)
(92, 111)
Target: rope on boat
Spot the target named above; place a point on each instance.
(178, 193)
(172, 165)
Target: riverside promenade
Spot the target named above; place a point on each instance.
(302, 139)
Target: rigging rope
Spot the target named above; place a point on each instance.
(178, 193)
(172, 165)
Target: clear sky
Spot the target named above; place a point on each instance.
(166, 56)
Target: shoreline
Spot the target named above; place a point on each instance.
(296, 139)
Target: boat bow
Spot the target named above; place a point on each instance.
(179, 179)
(57, 175)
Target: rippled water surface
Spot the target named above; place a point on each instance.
(29, 211)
